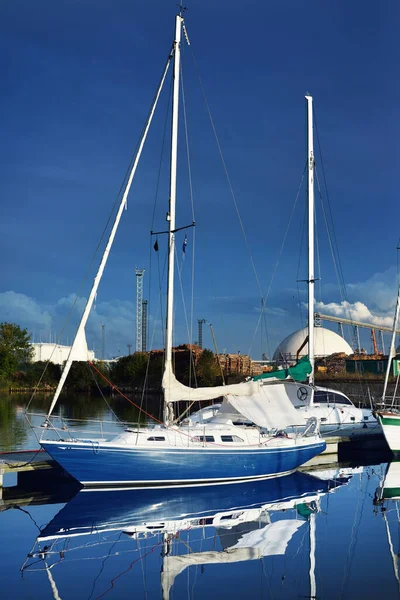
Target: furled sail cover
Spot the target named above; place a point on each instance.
(174, 391)
(299, 372)
(270, 407)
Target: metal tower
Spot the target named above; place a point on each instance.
(200, 323)
(139, 294)
(144, 325)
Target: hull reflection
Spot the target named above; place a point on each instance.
(232, 523)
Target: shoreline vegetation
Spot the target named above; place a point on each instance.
(49, 389)
(142, 372)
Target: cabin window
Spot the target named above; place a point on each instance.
(359, 367)
(203, 438)
(380, 366)
(231, 438)
(156, 438)
(339, 399)
(324, 397)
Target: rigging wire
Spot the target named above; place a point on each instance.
(353, 539)
(185, 313)
(191, 358)
(335, 243)
(265, 298)
(105, 229)
(397, 256)
(101, 393)
(103, 563)
(300, 302)
(332, 239)
(227, 173)
(151, 248)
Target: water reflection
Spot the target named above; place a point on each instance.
(187, 528)
(387, 502)
(16, 433)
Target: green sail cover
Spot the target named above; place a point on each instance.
(299, 372)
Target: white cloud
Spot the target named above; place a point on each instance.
(379, 291)
(44, 322)
(357, 311)
(24, 311)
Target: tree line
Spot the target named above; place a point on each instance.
(134, 372)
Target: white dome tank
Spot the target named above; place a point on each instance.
(326, 342)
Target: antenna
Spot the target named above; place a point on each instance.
(200, 324)
(182, 8)
(139, 309)
(144, 325)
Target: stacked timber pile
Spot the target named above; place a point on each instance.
(230, 363)
(236, 363)
(333, 364)
(258, 368)
(363, 356)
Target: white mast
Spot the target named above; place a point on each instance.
(392, 351)
(313, 585)
(79, 347)
(311, 279)
(172, 197)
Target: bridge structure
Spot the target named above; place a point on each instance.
(356, 325)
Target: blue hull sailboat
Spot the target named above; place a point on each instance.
(115, 463)
(243, 441)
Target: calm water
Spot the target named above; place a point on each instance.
(328, 534)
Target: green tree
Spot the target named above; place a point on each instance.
(130, 370)
(48, 373)
(82, 377)
(15, 349)
(207, 368)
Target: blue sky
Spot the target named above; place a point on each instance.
(78, 79)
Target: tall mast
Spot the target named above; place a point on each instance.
(311, 279)
(172, 194)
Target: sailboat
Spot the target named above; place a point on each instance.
(336, 413)
(243, 441)
(389, 413)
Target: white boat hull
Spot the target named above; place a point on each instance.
(390, 423)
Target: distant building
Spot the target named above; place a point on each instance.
(56, 353)
(371, 364)
(326, 342)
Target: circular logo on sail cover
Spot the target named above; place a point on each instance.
(302, 393)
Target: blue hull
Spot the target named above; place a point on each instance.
(97, 465)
